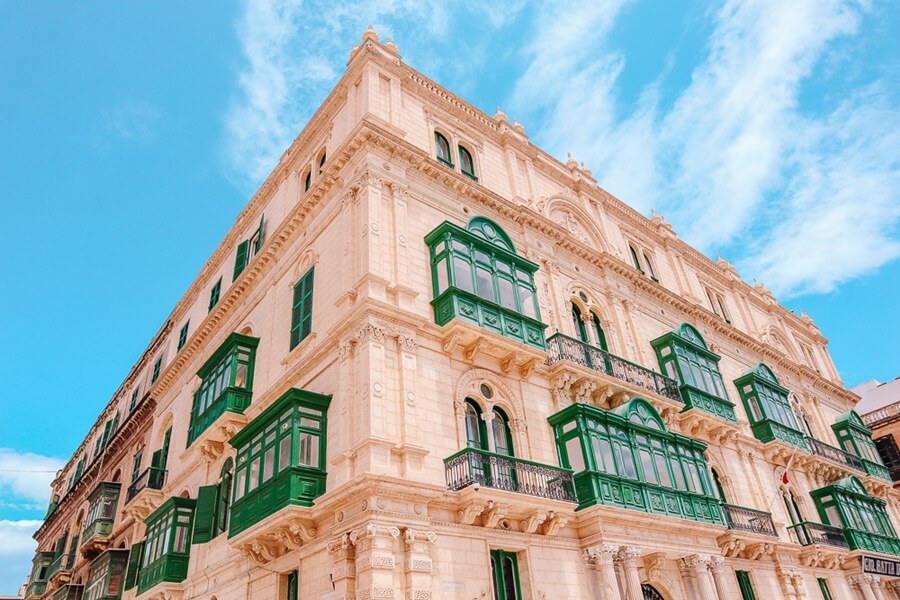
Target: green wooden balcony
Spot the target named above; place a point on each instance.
(455, 303)
(564, 348)
(61, 563)
(808, 533)
(876, 470)
(594, 487)
(750, 520)
(863, 540)
(39, 575)
(472, 466)
(296, 485)
(232, 399)
(35, 589)
(768, 430)
(696, 398)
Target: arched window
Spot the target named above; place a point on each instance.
(307, 182)
(719, 489)
(501, 433)
(684, 356)
(442, 147)
(475, 434)
(628, 448)
(578, 322)
(479, 278)
(322, 162)
(600, 337)
(635, 259)
(792, 508)
(465, 163)
(650, 267)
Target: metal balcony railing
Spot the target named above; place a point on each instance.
(479, 467)
(562, 347)
(834, 454)
(152, 477)
(748, 519)
(808, 533)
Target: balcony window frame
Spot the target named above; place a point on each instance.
(220, 390)
(295, 424)
(500, 575)
(622, 447)
(167, 544)
(102, 504)
(466, 163)
(854, 437)
(847, 504)
(107, 569)
(478, 277)
(683, 355)
(442, 149)
(769, 408)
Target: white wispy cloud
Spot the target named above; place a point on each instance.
(806, 201)
(295, 51)
(16, 551)
(25, 477)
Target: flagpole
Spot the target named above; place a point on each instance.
(783, 476)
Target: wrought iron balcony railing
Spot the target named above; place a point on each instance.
(60, 563)
(748, 519)
(834, 454)
(479, 467)
(808, 533)
(562, 347)
(152, 477)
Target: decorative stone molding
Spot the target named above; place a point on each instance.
(493, 514)
(530, 525)
(555, 523)
(470, 512)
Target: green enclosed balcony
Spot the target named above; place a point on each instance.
(473, 466)
(166, 551)
(101, 516)
(107, 576)
(61, 565)
(767, 405)
(626, 458)
(684, 356)
(227, 383)
(478, 278)
(40, 568)
(863, 518)
(855, 438)
(280, 458)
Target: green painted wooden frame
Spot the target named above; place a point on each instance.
(594, 485)
(856, 507)
(297, 485)
(232, 398)
(760, 380)
(170, 566)
(111, 563)
(483, 236)
(849, 428)
(670, 349)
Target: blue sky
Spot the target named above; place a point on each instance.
(133, 134)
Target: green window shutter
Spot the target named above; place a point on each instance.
(60, 546)
(156, 461)
(747, 592)
(259, 235)
(106, 431)
(240, 261)
(73, 548)
(293, 585)
(182, 335)
(136, 470)
(205, 515)
(164, 451)
(134, 565)
(214, 294)
(301, 309)
(823, 586)
(79, 469)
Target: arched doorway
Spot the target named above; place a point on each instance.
(650, 592)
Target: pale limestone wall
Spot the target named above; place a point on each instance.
(394, 380)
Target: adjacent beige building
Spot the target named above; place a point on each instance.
(431, 361)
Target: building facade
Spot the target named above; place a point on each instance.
(880, 412)
(431, 361)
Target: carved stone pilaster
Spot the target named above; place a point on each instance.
(343, 565)
(376, 561)
(600, 558)
(418, 564)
